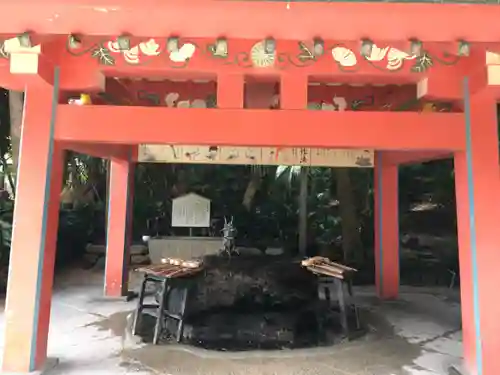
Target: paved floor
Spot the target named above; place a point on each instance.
(417, 335)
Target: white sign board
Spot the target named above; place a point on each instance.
(321, 157)
(191, 211)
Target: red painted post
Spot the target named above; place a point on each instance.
(478, 216)
(117, 244)
(293, 91)
(230, 91)
(34, 235)
(386, 228)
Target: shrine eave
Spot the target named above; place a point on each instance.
(255, 19)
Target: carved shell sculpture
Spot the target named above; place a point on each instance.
(377, 54)
(344, 56)
(340, 103)
(395, 57)
(260, 58)
(171, 100)
(198, 103)
(151, 48)
(183, 54)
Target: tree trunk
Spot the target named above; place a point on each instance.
(351, 238)
(16, 104)
(252, 188)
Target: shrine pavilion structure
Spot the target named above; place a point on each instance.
(405, 82)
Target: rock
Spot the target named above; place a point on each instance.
(91, 258)
(95, 249)
(242, 281)
(138, 250)
(275, 251)
(140, 260)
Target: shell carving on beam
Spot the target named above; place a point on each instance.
(199, 103)
(183, 54)
(340, 103)
(344, 56)
(132, 56)
(260, 58)
(150, 48)
(377, 53)
(183, 104)
(171, 99)
(396, 58)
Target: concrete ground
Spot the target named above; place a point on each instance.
(417, 335)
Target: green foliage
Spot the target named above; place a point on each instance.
(6, 211)
(75, 230)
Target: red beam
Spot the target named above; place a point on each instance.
(256, 127)
(105, 151)
(80, 70)
(340, 21)
(414, 157)
(201, 65)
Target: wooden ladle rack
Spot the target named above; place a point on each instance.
(325, 267)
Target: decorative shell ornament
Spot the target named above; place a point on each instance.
(260, 58)
(132, 55)
(340, 103)
(171, 99)
(184, 104)
(183, 54)
(344, 56)
(113, 46)
(396, 58)
(198, 103)
(150, 48)
(377, 53)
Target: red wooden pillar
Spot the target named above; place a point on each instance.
(386, 228)
(478, 216)
(120, 202)
(230, 91)
(293, 92)
(34, 237)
